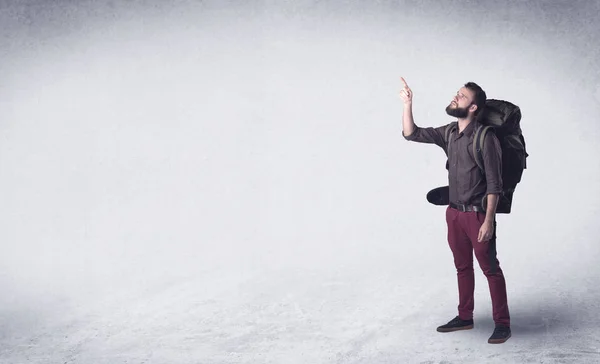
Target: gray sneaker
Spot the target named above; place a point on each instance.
(456, 324)
(500, 335)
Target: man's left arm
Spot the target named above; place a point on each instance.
(492, 161)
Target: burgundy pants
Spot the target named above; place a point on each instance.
(463, 229)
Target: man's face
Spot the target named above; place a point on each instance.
(462, 103)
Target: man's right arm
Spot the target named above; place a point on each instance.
(410, 131)
(408, 123)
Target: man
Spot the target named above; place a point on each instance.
(470, 216)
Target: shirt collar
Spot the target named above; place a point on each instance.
(469, 129)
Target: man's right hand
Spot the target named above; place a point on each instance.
(406, 93)
(408, 124)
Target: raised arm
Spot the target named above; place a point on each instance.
(408, 123)
(411, 131)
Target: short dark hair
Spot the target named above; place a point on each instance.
(480, 96)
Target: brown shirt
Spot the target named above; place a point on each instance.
(467, 184)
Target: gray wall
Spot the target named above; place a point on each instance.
(146, 143)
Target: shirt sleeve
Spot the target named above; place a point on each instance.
(492, 162)
(429, 135)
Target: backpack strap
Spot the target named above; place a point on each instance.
(449, 131)
(478, 142)
(447, 134)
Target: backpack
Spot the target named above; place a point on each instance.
(502, 118)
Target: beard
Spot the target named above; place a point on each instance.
(457, 112)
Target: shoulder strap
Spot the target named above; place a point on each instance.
(449, 131)
(447, 134)
(478, 142)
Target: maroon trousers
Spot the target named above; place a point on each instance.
(463, 229)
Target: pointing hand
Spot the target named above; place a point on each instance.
(406, 93)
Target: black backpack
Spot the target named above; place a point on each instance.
(503, 118)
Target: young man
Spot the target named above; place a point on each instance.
(470, 216)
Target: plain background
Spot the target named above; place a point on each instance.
(225, 182)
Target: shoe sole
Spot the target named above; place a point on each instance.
(468, 327)
(499, 341)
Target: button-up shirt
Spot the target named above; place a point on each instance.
(467, 184)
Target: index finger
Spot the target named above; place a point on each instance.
(403, 81)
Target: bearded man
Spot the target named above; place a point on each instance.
(471, 223)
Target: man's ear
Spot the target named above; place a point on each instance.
(473, 107)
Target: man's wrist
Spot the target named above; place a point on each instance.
(492, 203)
